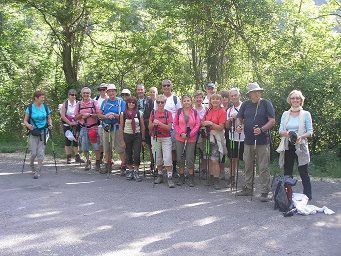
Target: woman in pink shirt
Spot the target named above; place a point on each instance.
(186, 126)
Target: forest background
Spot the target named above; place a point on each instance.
(283, 45)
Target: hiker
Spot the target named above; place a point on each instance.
(201, 110)
(125, 94)
(37, 120)
(153, 92)
(210, 89)
(214, 123)
(145, 105)
(186, 126)
(133, 136)
(86, 113)
(235, 138)
(172, 104)
(110, 113)
(160, 124)
(295, 129)
(70, 126)
(258, 116)
(102, 89)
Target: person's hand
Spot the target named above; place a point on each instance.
(285, 134)
(183, 135)
(239, 129)
(144, 143)
(30, 127)
(85, 115)
(257, 131)
(73, 123)
(299, 140)
(207, 123)
(156, 122)
(50, 126)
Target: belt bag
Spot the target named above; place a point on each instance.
(36, 132)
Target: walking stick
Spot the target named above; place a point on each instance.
(154, 171)
(238, 155)
(254, 164)
(23, 165)
(109, 163)
(188, 131)
(144, 164)
(232, 148)
(207, 151)
(53, 151)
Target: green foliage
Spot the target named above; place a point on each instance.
(284, 45)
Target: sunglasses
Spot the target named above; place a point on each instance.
(131, 102)
(102, 89)
(295, 98)
(125, 94)
(166, 85)
(160, 102)
(86, 93)
(72, 94)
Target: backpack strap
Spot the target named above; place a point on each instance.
(175, 100)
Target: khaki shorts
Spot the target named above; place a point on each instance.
(37, 147)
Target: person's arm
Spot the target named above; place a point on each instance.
(121, 128)
(271, 120)
(26, 123)
(78, 116)
(309, 127)
(176, 124)
(196, 127)
(282, 131)
(142, 128)
(150, 123)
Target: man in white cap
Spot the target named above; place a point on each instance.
(125, 94)
(256, 117)
(110, 113)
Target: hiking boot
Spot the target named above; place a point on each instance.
(87, 165)
(136, 176)
(101, 157)
(209, 182)
(181, 180)
(245, 192)
(129, 175)
(68, 159)
(106, 169)
(78, 159)
(203, 175)
(33, 169)
(191, 180)
(151, 166)
(231, 182)
(264, 197)
(216, 184)
(98, 166)
(159, 179)
(170, 183)
(123, 170)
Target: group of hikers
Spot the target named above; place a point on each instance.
(212, 126)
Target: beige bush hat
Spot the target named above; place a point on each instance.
(254, 87)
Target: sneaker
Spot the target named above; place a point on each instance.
(33, 169)
(87, 165)
(203, 174)
(181, 180)
(68, 159)
(35, 175)
(78, 159)
(170, 183)
(159, 179)
(245, 192)
(129, 175)
(191, 180)
(209, 182)
(98, 166)
(216, 184)
(136, 176)
(106, 169)
(264, 197)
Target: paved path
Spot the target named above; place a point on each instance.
(79, 213)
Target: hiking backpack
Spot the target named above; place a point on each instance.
(282, 192)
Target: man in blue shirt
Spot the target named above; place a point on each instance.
(256, 117)
(110, 113)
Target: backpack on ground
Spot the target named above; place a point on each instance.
(282, 192)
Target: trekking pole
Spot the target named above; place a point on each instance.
(237, 169)
(207, 149)
(144, 164)
(254, 163)
(53, 151)
(23, 165)
(188, 131)
(109, 162)
(231, 165)
(154, 171)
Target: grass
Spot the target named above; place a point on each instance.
(324, 164)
